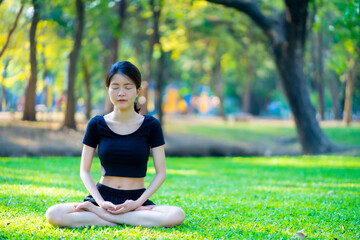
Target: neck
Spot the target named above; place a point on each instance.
(123, 116)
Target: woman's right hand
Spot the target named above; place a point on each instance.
(107, 205)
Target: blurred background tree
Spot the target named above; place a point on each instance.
(196, 58)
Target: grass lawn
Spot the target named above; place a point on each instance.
(224, 198)
(262, 132)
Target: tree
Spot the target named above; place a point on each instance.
(147, 65)
(86, 72)
(160, 79)
(287, 36)
(317, 56)
(352, 23)
(3, 76)
(29, 108)
(324, 63)
(69, 121)
(12, 30)
(114, 46)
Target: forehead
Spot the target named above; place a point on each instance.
(121, 79)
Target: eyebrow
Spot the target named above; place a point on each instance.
(126, 84)
(117, 84)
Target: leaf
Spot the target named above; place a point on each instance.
(349, 46)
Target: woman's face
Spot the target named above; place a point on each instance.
(122, 92)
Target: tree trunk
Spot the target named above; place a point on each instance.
(334, 91)
(287, 40)
(3, 75)
(115, 45)
(348, 99)
(160, 85)
(321, 76)
(47, 78)
(2, 96)
(217, 84)
(317, 69)
(69, 121)
(246, 103)
(87, 89)
(30, 94)
(250, 76)
(147, 65)
(160, 63)
(7, 41)
(317, 61)
(350, 80)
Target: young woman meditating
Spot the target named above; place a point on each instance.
(123, 138)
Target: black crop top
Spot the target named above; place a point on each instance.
(124, 155)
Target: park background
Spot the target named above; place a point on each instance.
(271, 80)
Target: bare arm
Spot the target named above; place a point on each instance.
(87, 157)
(160, 168)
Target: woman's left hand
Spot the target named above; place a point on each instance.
(127, 206)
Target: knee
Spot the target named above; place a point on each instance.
(54, 216)
(175, 217)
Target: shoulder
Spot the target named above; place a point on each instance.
(95, 120)
(152, 120)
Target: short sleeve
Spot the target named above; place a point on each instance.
(91, 137)
(156, 137)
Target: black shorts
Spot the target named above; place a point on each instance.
(117, 196)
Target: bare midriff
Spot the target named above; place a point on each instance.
(124, 183)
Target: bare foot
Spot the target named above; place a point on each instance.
(149, 207)
(85, 206)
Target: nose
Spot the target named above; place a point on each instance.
(121, 92)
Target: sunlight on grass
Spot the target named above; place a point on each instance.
(224, 198)
(151, 170)
(305, 161)
(258, 131)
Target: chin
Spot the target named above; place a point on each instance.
(122, 108)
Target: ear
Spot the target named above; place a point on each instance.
(138, 91)
(107, 89)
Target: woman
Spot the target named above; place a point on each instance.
(124, 138)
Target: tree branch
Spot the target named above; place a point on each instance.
(252, 10)
(12, 29)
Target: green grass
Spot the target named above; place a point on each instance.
(224, 198)
(262, 133)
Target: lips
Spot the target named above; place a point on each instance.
(121, 100)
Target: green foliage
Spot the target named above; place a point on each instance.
(224, 198)
(195, 34)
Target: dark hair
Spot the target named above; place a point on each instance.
(128, 69)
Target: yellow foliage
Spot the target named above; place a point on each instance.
(175, 55)
(21, 76)
(149, 31)
(226, 61)
(156, 47)
(200, 4)
(349, 45)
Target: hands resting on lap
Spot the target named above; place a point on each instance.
(127, 206)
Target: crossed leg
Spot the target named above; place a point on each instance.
(65, 215)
